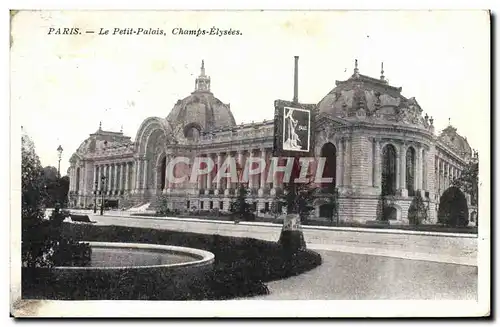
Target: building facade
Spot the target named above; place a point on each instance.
(378, 147)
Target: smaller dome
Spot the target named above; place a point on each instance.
(457, 142)
(102, 140)
(364, 97)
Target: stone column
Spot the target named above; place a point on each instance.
(228, 180)
(341, 162)
(115, 182)
(441, 174)
(418, 170)
(250, 177)
(127, 172)
(208, 177)
(263, 176)
(241, 165)
(137, 182)
(199, 179)
(218, 184)
(346, 162)
(166, 187)
(97, 177)
(145, 176)
(398, 169)
(120, 186)
(94, 179)
(402, 185)
(110, 178)
(378, 165)
(338, 168)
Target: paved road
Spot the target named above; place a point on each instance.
(347, 276)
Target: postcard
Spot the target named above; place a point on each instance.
(196, 163)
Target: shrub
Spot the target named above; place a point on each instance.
(453, 210)
(417, 212)
(42, 242)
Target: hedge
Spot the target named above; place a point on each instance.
(241, 269)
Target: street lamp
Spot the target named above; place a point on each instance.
(59, 151)
(95, 195)
(103, 183)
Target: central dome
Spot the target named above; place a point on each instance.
(202, 110)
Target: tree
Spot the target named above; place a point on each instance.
(240, 208)
(42, 242)
(417, 212)
(56, 187)
(468, 181)
(453, 210)
(163, 209)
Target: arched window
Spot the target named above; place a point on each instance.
(192, 131)
(410, 171)
(389, 170)
(162, 172)
(77, 180)
(329, 152)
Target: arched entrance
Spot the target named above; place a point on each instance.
(329, 152)
(453, 210)
(161, 173)
(389, 170)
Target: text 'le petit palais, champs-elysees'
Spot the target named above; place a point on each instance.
(212, 31)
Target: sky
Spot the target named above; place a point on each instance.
(62, 86)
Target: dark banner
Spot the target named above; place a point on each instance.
(293, 129)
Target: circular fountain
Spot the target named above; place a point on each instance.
(116, 268)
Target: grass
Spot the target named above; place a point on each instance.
(241, 269)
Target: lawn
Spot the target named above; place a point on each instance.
(241, 269)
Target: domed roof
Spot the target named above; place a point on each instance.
(364, 97)
(101, 141)
(450, 137)
(202, 109)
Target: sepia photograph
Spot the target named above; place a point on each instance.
(339, 159)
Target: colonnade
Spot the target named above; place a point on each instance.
(116, 177)
(256, 182)
(445, 173)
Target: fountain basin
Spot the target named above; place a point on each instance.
(134, 271)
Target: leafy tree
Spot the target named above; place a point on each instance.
(42, 243)
(163, 209)
(453, 210)
(417, 212)
(56, 187)
(468, 181)
(298, 198)
(240, 208)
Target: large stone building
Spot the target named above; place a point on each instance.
(377, 142)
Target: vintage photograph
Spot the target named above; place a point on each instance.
(256, 156)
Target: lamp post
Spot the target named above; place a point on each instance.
(103, 183)
(96, 184)
(59, 151)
